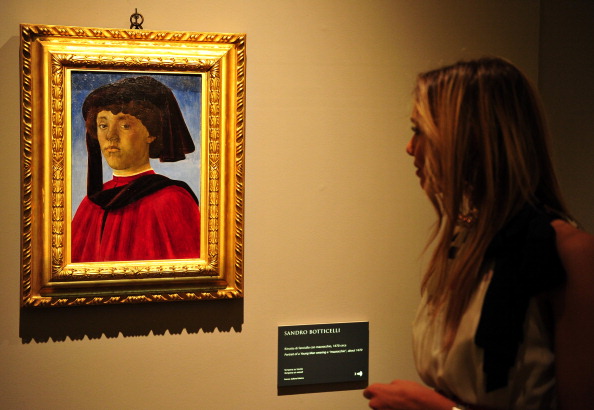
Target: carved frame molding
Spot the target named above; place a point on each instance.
(48, 277)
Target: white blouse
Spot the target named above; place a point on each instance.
(458, 373)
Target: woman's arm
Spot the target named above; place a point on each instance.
(574, 318)
(405, 395)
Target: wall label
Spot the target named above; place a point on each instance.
(324, 353)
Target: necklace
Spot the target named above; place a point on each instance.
(467, 219)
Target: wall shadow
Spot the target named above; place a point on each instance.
(42, 325)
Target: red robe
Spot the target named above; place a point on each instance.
(161, 225)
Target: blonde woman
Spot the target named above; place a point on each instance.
(507, 313)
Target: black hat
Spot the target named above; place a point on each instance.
(175, 138)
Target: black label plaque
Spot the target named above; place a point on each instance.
(327, 353)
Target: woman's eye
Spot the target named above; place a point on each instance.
(126, 126)
(102, 126)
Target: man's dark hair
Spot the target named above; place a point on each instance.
(151, 102)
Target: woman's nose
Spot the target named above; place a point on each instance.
(410, 147)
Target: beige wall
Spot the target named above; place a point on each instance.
(334, 220)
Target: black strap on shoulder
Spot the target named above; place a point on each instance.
(526, 264)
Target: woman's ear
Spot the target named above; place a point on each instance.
(150, 139)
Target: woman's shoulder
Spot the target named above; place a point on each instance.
(573, 244)
(576, 251)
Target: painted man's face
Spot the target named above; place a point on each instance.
(124, 142)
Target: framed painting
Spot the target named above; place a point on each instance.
(132, 165)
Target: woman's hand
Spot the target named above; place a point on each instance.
(405, 395)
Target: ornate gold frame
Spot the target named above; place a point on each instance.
(48, 276)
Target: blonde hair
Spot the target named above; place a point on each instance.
(487, 155)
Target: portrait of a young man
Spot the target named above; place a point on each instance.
(138, 213)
